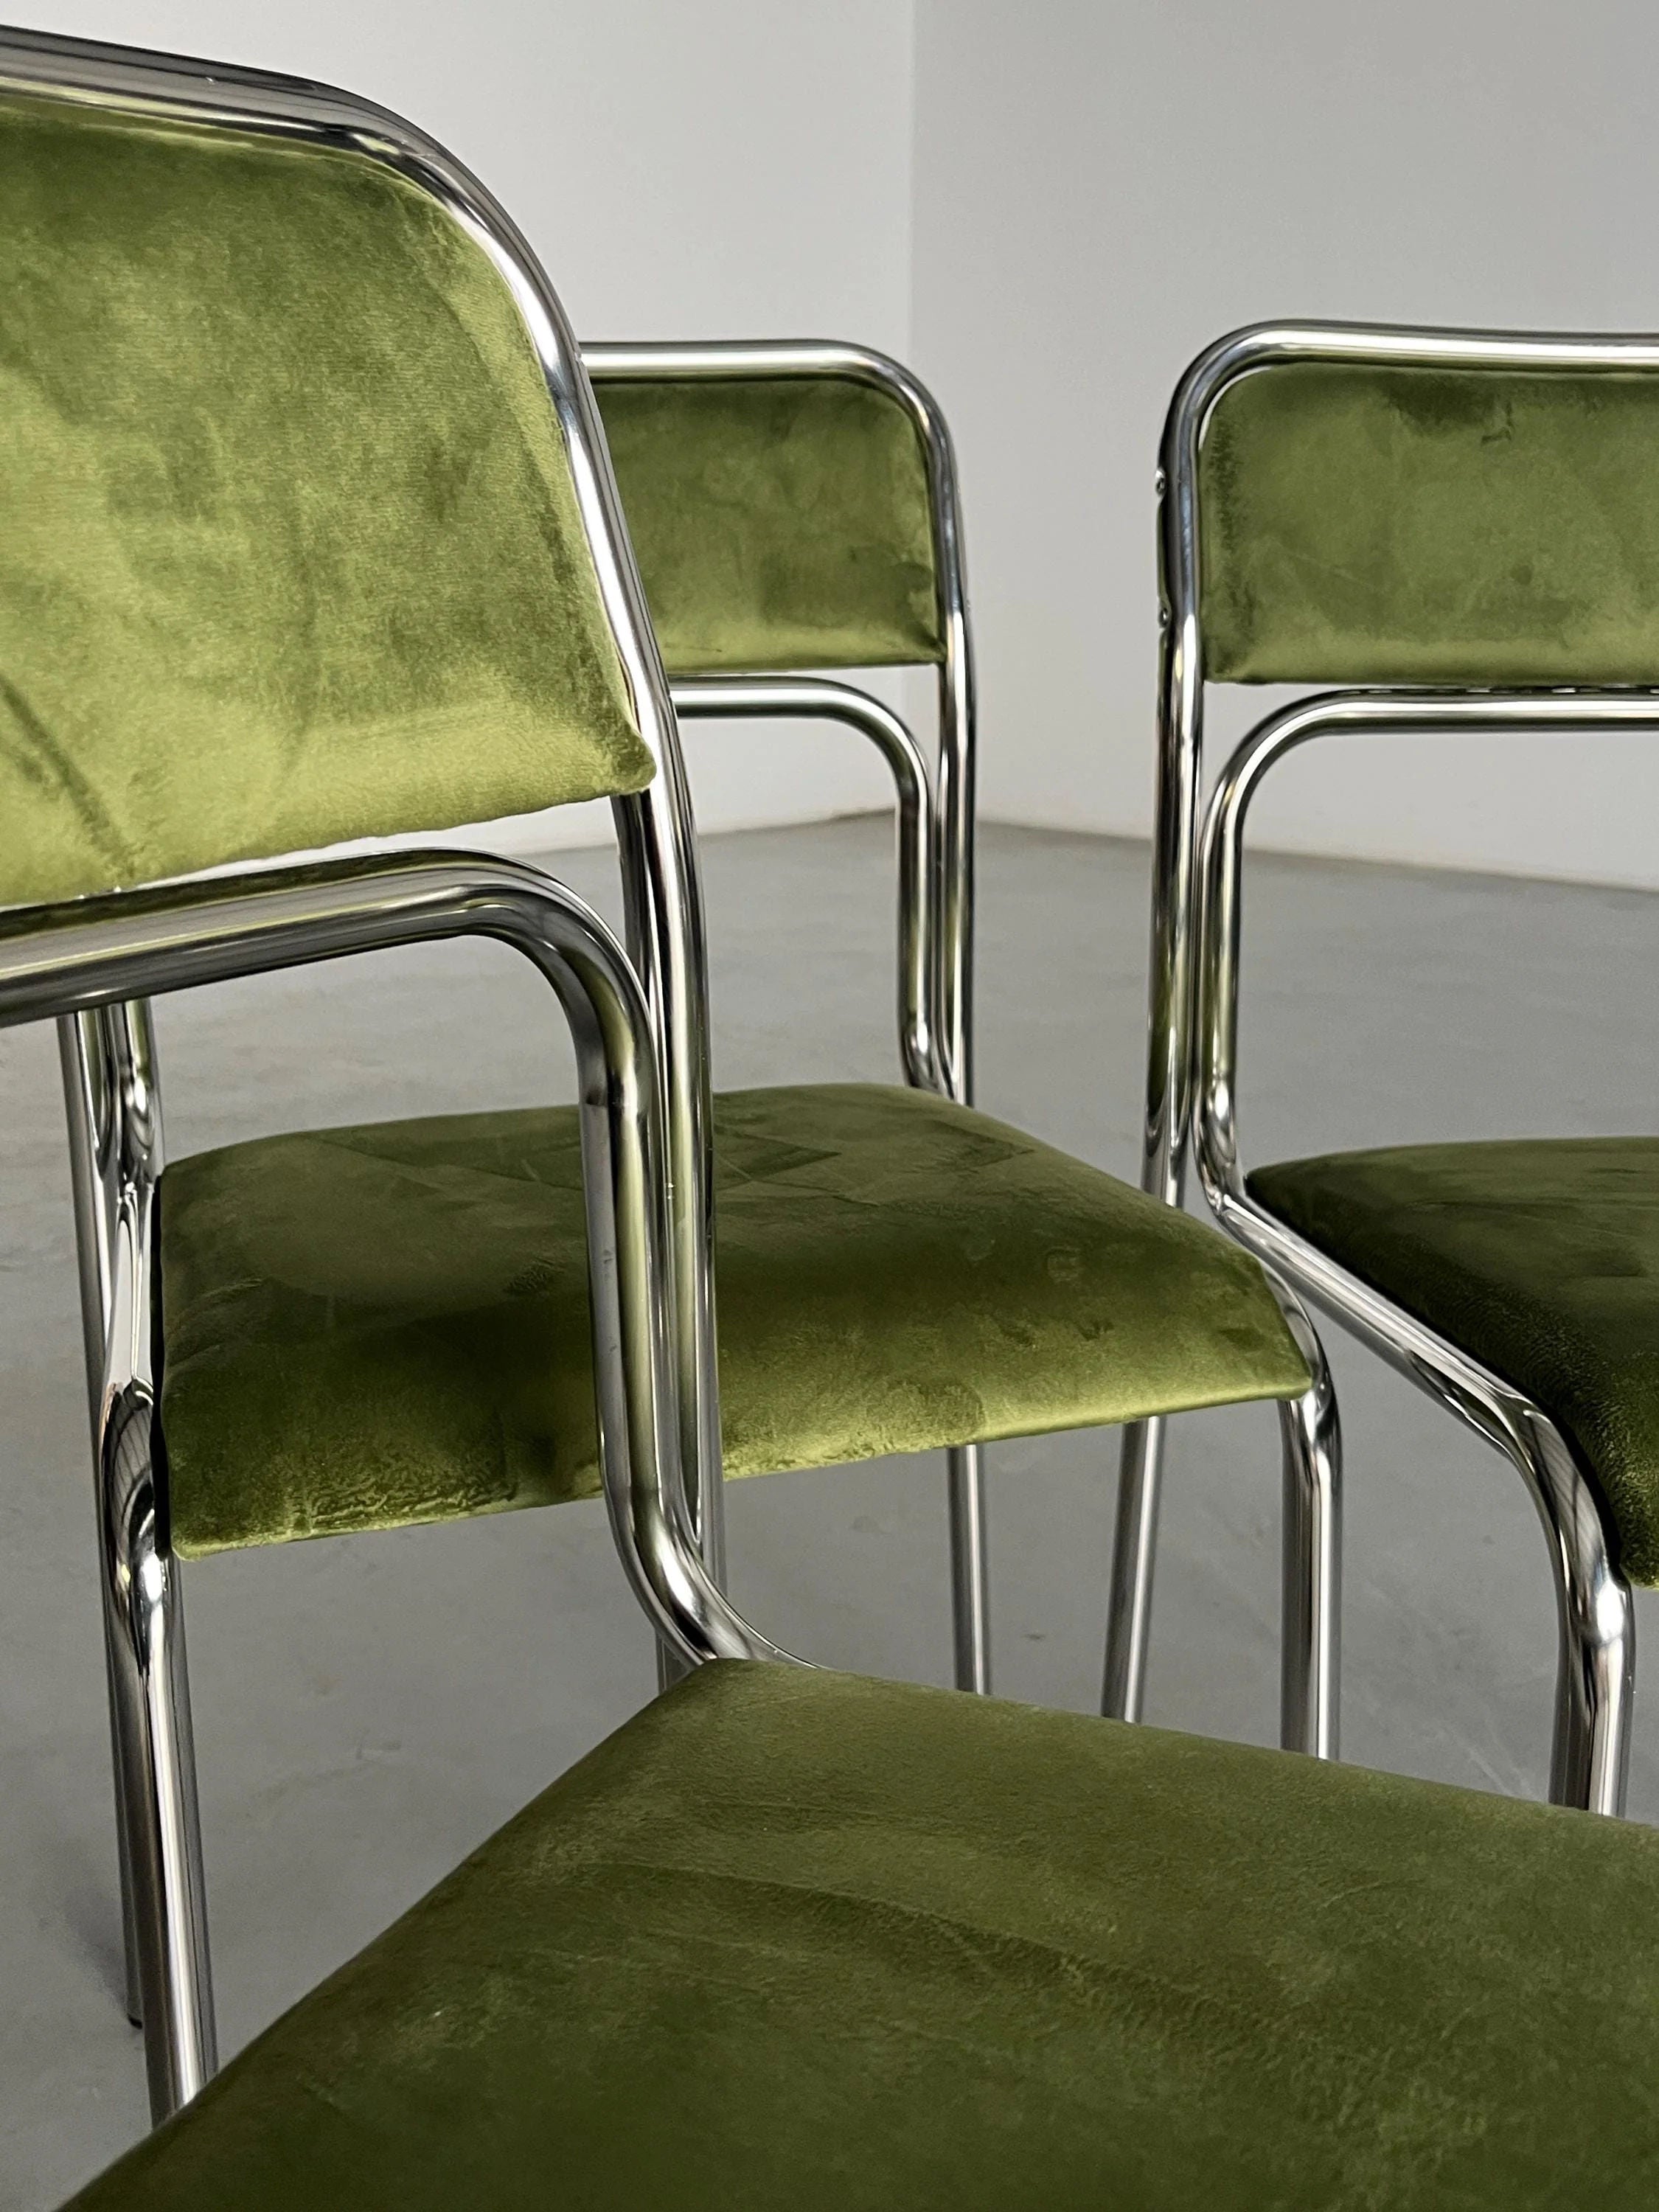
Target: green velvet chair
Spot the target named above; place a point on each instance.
(1465, 526)
(329, 546)
(794, 1938)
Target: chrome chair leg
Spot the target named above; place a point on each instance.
(1311, 1636)
(157, 1789)
(89, 1106)
(1310, 1629)
(112, 1094)
(1595, 1677)
(1589, 1757)
(970, 1590)
(1129, 1592)
(133, 1998)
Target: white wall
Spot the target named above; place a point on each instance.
(1103, 188)
(685, 168)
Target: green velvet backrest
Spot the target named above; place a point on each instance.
(1378, 525)
(290, 550)
(779, 521)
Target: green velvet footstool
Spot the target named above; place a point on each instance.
(805, 1941)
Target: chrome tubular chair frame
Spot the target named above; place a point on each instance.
(952, 885)
(93, 965)
(82, 966)
(1595, 1673)
(1173, 1039)
(111, 1069)
(935, 817)
(1310, 1655)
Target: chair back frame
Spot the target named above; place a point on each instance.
(1192, 1016)
(936, 1029)
(1170, 1060)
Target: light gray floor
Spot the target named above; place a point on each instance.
(367, 1710)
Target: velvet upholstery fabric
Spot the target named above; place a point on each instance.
(1540, 1257)
(780, 522)
(364, 1327)
(1366, 525)
(800, 1940)
(291, 549)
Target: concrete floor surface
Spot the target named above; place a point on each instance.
(368, 1709)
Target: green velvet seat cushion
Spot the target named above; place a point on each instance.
(779, 521)
(292, 552)
(1540, 1257)
(807, 1941)
(369, 1327)
(1367, 524)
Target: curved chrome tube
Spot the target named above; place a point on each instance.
(101, 953)
(1590, 1754)
(113, 1103)
(926, 900)
(952, 878)
(87, 964)
(1335, 714)
(817, 698)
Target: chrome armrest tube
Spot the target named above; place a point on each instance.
(103, 952)
(1335, 714)
(952, 887)
(811, 697)
(1440, 1368)
(1589, 1757)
